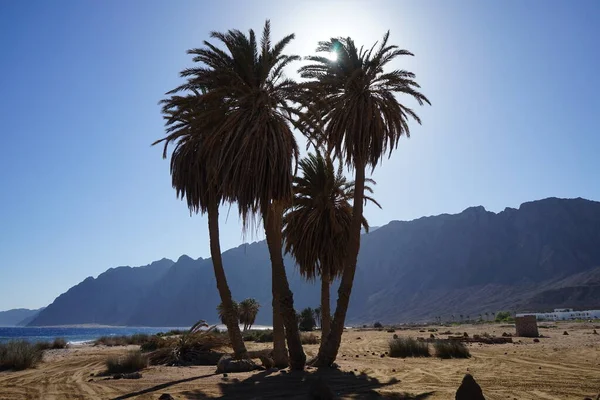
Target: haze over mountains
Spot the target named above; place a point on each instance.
(543, 255)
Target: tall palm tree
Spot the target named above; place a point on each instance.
(248, 310)
(360, 119)
(254, 146)
(317, 227)
(195, 180)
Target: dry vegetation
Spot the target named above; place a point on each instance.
(559, 366)
(133, 361)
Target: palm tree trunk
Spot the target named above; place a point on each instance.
(273, 225)
(280, 353)
(325, 304)
(328, 350)
(231, 317)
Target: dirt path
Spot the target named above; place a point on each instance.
(558, 367)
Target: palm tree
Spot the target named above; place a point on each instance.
(317, 227)
(248, 310)
(254, 146)
(222, 311)
(354, 110)
(193, 179)
(318, 316)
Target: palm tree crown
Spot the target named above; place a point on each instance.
(317, 226)
(246, 78)
(353, 100)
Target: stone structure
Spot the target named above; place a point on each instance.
(527, 326)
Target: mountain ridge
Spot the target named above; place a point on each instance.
(542, 255)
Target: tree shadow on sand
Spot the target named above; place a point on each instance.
(160, 387)
(297, 385)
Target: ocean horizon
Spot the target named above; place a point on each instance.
(85, 333)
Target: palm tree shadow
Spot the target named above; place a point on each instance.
(297, 385)
(160, 387)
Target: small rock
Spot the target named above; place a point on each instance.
(465, 334)
(357, 356)
(469, 389)
(565, 333)
(90, 380)
(166, 396)
(393, 370)
(539, 367)
(358, 338)
(395, 336)
(117, 376)
(594, 333)
(228, 364)
(382, 356)
(536, 340)
(224, 375)
(134, 375)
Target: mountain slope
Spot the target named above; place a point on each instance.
(15, 316)
(108, 299)
(543, 255)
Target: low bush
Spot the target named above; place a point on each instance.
(408, 347)
(136, 339)
(309, 338)
(156, 342)
(133, 361)
(59, 343)
(172, 332)
(377, 325)
(190, 349)
(451, 349)
(19, 355)
(260, 336)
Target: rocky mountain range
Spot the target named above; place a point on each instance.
(18, 316)
(544, 254)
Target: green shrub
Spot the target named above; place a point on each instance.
(133, 361)
(136, 339)
(258, 335)
(59, 343)
(408, 347)
(19, 355)
(155, 343)
(377, 325)
(504, 316)
(451, 349)
(43, 346)
(306, 320)
(309, 338)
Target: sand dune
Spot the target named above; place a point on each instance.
(558, 367)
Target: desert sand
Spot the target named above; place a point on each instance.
(559, 367)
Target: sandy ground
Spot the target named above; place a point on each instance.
(558, 367)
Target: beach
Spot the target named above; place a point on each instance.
(557, 367)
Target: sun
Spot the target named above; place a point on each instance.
(332, 56)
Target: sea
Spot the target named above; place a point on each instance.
(80, 335)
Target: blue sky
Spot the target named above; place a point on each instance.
(514, 87)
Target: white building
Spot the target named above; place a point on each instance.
(564, 314)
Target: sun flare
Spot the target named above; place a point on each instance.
(332, 56)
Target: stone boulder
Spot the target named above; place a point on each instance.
(469, 389)
(228, 364)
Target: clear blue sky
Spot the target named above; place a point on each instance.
(514, 86)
